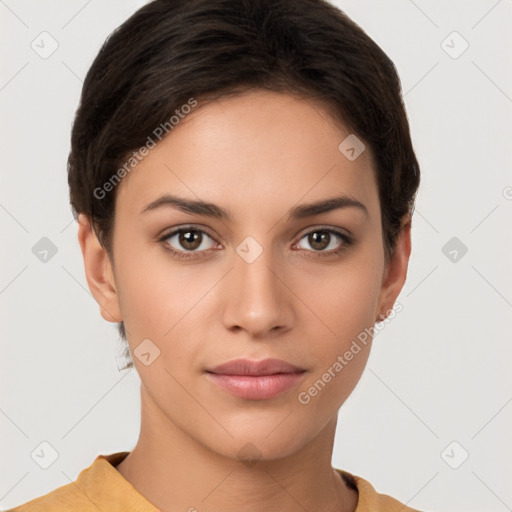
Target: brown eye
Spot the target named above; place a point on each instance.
(188, 240)
(325, 241)
(319, 240)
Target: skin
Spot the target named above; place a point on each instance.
(257, 155)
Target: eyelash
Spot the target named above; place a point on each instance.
(187, 255)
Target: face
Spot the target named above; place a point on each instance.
(284, 261)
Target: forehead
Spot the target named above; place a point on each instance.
(250, 148)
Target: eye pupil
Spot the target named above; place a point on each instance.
(188, 239)
(319, 239)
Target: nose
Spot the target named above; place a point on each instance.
(257, 299)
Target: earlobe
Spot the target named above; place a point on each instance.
(396, 271)
(98, 271)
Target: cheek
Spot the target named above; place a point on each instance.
(339, 355)
(341, 300)
(164, 302)
(148, 281)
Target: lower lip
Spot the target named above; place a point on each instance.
(256, 387)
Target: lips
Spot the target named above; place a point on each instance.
(255, 368)
(255, 380)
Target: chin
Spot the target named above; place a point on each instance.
(261, 442)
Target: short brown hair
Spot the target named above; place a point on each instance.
(171, 50)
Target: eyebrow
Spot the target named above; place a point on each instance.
(207, 209)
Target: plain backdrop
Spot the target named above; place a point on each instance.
(429, 423)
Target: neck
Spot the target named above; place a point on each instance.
(176, 472)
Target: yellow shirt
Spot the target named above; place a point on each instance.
(102, 487)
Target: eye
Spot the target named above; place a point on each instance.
(327, 241)
(186, 240)
(191, 242)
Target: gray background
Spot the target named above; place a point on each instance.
(439, 371)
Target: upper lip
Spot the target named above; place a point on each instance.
(248, 367)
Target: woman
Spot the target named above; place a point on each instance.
(243, 177)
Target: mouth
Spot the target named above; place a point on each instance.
(256, 380)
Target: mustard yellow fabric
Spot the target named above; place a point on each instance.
(102, 487)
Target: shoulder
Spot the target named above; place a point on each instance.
(92, 490)
(369, 499)
(65, 498)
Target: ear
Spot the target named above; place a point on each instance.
(395, 271)
(98, 270)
